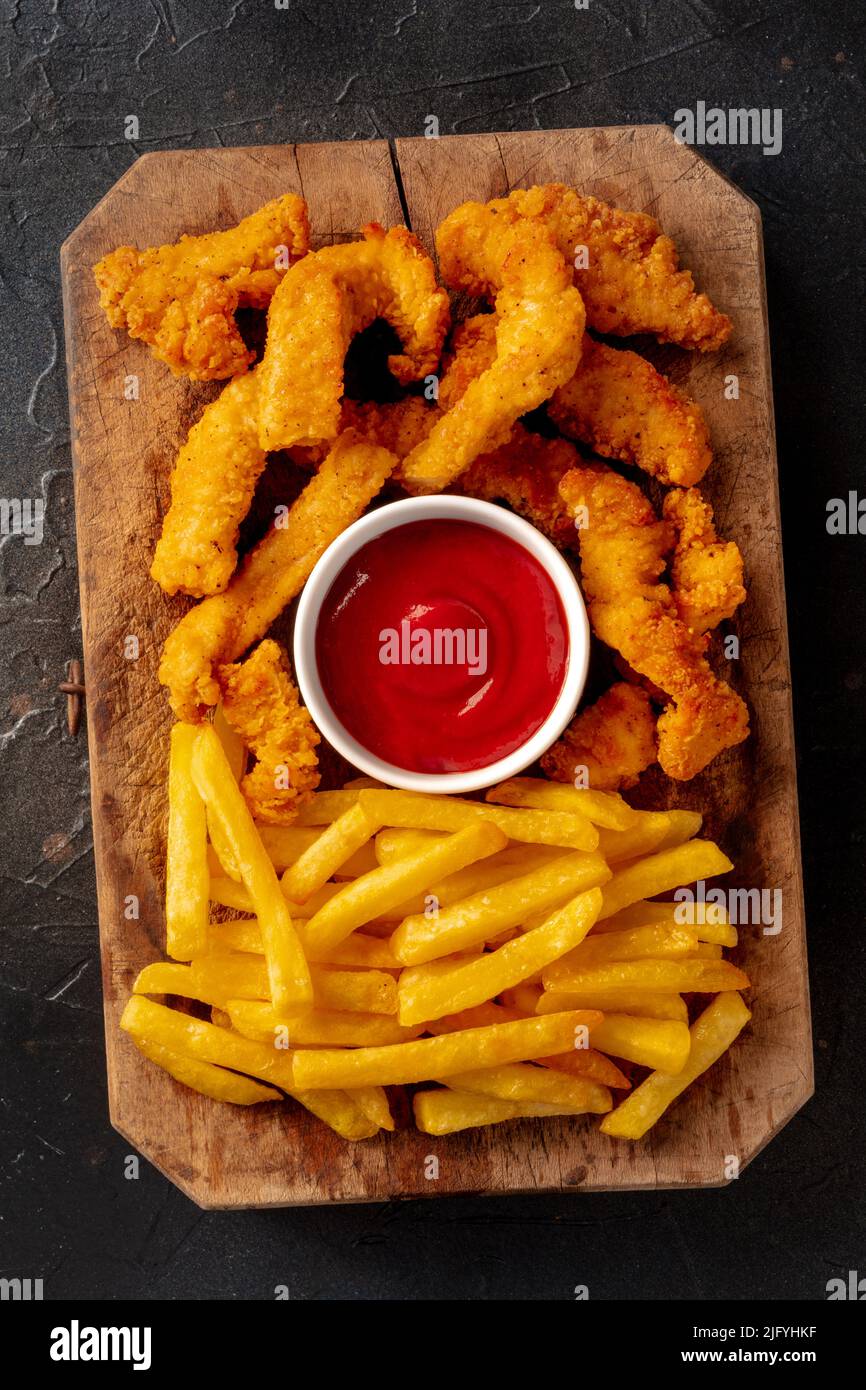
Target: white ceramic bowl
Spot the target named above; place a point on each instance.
(338, 555)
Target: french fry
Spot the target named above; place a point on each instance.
(659, 976)
(481, 1016)
(246, 977)
(590, 1065)
(187, 879)
(236, 757)
(705, 950)
(389, 884)
(422, 938)
(476, 878)
(286, 843)
(259, 1021)
(654, 830)
(192, 1037)
(652, 914)
(163, 977)
(430, 1059)
(650, 1042)
(424, 994)
(660, 942)
(290, 983)
(534, 793)
(374, 1103)
(642, 1002)
(711, 1035)
(205, 1078)
(396, 844)
(342, 838)
(412, 811)
(323, 807)
(523, 997)
(522, 1081)
(447, 1112)
(357, 952)
(658, 873)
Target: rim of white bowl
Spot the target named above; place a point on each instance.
(335, 558)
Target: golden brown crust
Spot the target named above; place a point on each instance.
(706, 573)
(611, 742)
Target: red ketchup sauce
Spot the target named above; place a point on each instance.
(442, 646)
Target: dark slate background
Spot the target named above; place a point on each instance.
(246, 73)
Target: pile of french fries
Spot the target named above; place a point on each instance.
(508, 951)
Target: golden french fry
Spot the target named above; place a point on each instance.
(602, 808)
(705, 950)
(654, 830)
(429, 1059)
(660, 1043)
(286, 843)
(342, 838)
(422, 938)
(246, 977)
(323, 807)
(236, 757)
(187, 879)
(227, 893)
(589, 1065)
(396, 844)
(425, 994)
(711, 1035)
(670, 868)
(523, 997)
(642, 1002)
(374, 1103)
(205, 1078)
(192, 1037)
(476, 878)
(220, 1018)
(322, 1028)
(163, 977)
(521, 1081)
(447, 1112)
(363, 861)
(290, 983)
(411, 811)
(659, 942)
(654, 914)
(660, 976)
(374, 893)
(358, 951)
(479, 1017)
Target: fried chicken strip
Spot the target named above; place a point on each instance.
(623, 546)
(630, 281)
(260, 702)
(706, 573)
(321, 304)
(181, 299)
(212, 486)
(612, 741)
(525, 473)
(222, 627)
(539, 331)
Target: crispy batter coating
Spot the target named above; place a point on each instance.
(706, 573)
(261, 703)
(622, 549)
(630, 283)
(613, 740)
(538, 338)
(321, 304)
(181, 299)
(212, 487)
(526, 473)
(620, 406)
(222, 627)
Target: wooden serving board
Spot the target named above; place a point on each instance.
(123, 449)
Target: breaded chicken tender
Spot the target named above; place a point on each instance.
(630, 281)
(212, 486)
(623, 546)
(525, 473)
(706, 573)
(321, 304)
(612, 741)
(222, 627)
(539, 331)
(620, 406)
(261, 703)
(181, 299)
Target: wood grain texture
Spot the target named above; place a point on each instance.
(278, 1155)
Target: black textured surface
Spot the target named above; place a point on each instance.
(248, 73)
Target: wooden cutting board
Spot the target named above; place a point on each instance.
(123, 450)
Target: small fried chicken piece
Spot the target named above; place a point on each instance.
(622, 550)
(212, 487)
(222, 627)
(526, 473)
(539, 331)
(260, 702)
(706, 573)
(630, 283)
(620, 406)
(321, 304)
(181, 299)
(612, 740)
